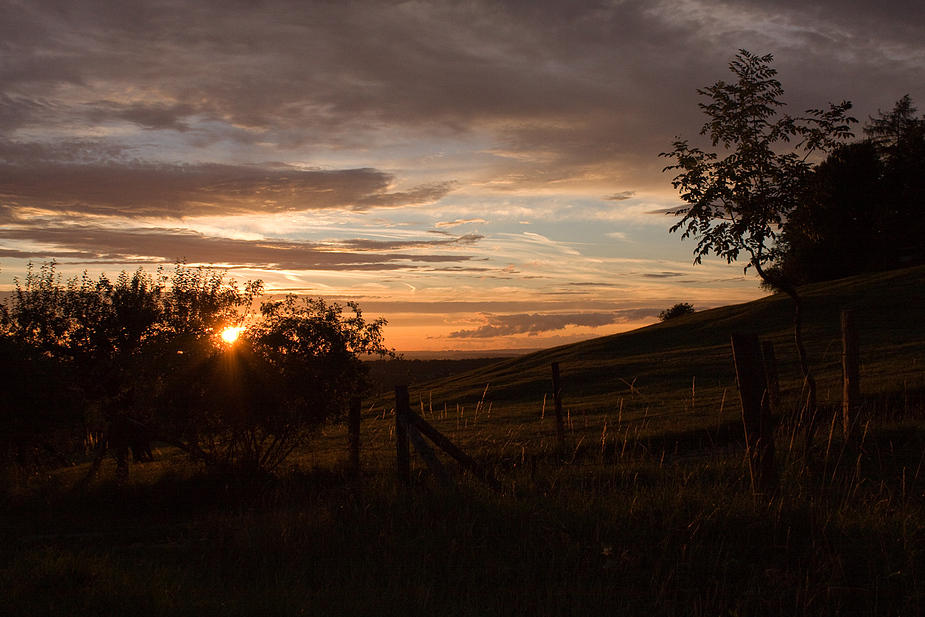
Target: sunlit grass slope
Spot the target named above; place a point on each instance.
(679, 375)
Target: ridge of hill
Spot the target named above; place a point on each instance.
(679, 373)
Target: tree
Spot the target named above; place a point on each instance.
(837, 230)
(104, 339)
(41, 412)
(678, 310)
(315, 349)
(737, 204)
(248, 404)
(865, 205)
(145, 351)
(899, 136)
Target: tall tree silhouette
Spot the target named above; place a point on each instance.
(737, 203)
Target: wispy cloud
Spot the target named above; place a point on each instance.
(88, 243)
(561, 247)
(537, 323)
(458, 222)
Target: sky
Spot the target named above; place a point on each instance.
(483, 174)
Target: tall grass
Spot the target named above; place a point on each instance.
(630, 530)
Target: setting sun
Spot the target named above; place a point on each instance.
(231, 333)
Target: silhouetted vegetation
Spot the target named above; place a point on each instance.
(737, 204)
(678, 310)
(122, 363)
(864, 206)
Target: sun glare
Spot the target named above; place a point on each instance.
(231, 334)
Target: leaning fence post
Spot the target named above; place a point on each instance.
(403, 452)
(851, 392)
(756, 413)
(557, 397)
(353, 434)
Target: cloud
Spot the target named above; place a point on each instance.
(581, 93)
(115, 116)
(171, 190)
(664, 275)
(535, 238)
(150, 116)
(536, 323)
(90, 243)
(379, 245)
(458, 222)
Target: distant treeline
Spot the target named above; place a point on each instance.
(386, 374)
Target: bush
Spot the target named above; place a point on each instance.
(678, 310)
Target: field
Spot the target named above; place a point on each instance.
(647, 510)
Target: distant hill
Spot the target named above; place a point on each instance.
(679, 373)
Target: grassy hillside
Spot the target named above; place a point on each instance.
(628, 533)
(679, 375)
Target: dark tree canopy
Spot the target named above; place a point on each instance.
(865, 205)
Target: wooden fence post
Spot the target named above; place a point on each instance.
(851, 392)
(557, 397)
(353, 434)
(403, 452)
(756, 412)
(771, 375)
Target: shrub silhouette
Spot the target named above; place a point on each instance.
(678, 310)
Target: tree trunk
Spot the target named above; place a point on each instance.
(807, 416)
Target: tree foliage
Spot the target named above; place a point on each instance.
(249, 404)
(144, 350)
(737, 203)
(865, 207)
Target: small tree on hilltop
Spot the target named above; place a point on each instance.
(738, 203)
(678, 310)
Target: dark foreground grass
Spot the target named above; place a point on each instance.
(636, 535)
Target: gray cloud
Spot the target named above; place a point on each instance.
(379, 245)
(620, 196)
(564, 86)
(137, 189)
(537, 323)
(663, 275)
(458, 222)
(112, 111)
(151, 116)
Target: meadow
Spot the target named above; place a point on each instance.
(647, 510)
